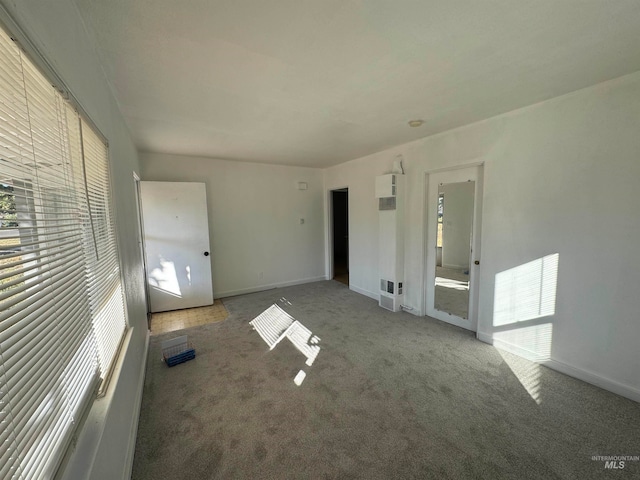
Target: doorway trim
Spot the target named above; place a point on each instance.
(429, 253)
(143, 252)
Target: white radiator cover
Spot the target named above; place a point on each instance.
(391, 240)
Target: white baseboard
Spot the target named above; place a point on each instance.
(509, 347)
(595, 379)
(415, 312)
(364, 292)
(269, 286)
(456, 267)
(579, 373)
(518, 350)
(484, 337)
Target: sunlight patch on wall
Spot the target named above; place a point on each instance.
(165, 278)
(524, 296)
(531, 342)
(526, 292)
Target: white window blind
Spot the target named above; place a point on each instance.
(105, 287)
(61, 303)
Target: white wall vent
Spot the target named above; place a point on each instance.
(387, 302)
(391, 302)
(387, 203)
(387, 286)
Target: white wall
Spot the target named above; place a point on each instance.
(106, 443)
(560, 177)
(359, 177)
(257, 240)
(456, 224)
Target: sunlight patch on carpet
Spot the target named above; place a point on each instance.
(528, 374)
(274, 324)
(299, 378)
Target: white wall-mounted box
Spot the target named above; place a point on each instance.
(389, 191)
(386, 186)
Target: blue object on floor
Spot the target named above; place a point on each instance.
(177, 350)
(181, 357)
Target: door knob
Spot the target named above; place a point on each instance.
(206, 254)
(477, 262)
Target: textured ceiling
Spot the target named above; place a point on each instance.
(320, 82)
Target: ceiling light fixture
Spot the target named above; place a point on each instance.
(415, 123)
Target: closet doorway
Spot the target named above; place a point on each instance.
(340, 234)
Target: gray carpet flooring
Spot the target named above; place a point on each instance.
(390, 396)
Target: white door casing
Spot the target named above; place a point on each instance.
(176, 230)
(433, 180)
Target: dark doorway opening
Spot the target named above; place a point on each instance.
(340, 207)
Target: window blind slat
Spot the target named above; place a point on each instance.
(25, 256)
(28, 272)
(24, 329)
(41, 289)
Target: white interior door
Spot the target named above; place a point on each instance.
(176, 234)
(451, 273)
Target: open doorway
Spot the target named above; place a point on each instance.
(340, 228)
